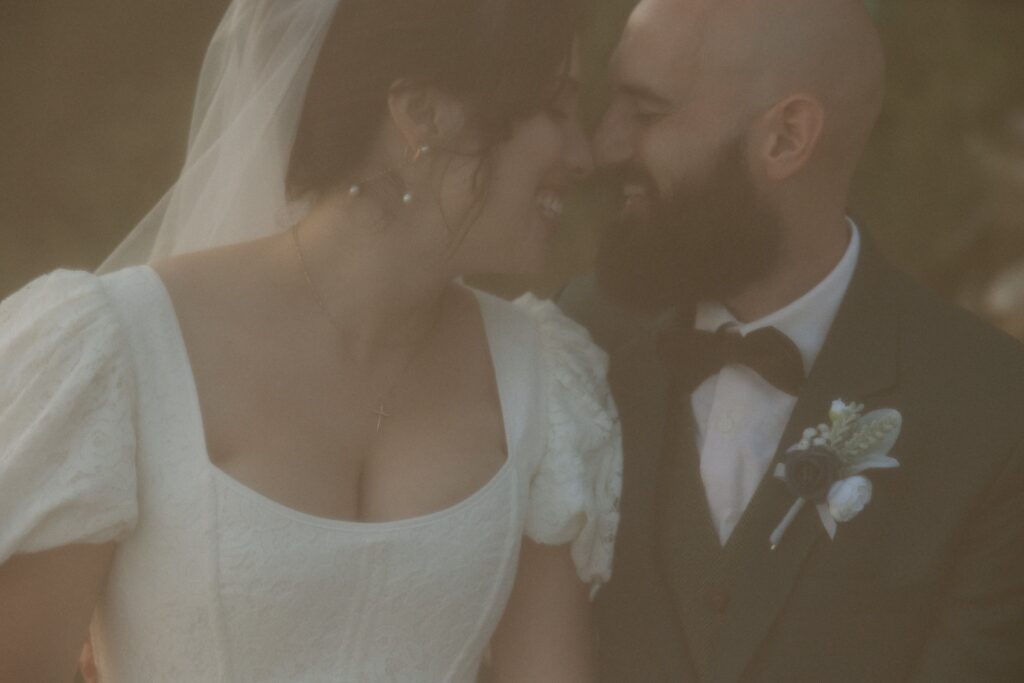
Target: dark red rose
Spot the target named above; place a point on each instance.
(811, 473)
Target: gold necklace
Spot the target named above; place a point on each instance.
(380, 412)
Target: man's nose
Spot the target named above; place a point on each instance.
(614, 141)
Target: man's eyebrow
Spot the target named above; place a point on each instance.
(641, 92)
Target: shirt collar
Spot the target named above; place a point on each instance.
(807, 320)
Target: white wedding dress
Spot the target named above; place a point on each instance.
(101, 439)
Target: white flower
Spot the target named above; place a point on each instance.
(848, 497)
(838, 408)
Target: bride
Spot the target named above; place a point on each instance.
(278, 440)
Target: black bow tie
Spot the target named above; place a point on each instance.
(695, 355)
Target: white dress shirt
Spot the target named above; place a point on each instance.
(739, 415)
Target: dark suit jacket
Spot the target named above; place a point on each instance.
(926, 584)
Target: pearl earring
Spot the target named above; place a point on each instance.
(356, 189)
(421, 151)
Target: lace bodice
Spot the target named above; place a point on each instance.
(213, 582)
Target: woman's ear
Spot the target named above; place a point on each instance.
(424, 115)
(789, 136)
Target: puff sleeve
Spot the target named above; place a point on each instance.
(574, 492)
(67, 438)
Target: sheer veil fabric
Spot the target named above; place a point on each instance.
(249, 101)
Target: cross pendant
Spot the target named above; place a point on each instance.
(381, 414)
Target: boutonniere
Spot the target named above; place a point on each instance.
(826, 467)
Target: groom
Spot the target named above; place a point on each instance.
(737, 302)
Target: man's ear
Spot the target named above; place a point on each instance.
(789, 136)
(424, 115)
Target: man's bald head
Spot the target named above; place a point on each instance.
(751, 54)
(828, 49)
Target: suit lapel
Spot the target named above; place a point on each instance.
(688, 550)
(652, 487)
(688, 547)
(859, 359)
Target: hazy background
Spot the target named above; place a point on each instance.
(97, 98)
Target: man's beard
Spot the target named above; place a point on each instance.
(710, 240)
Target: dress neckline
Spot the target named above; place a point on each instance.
(169, 319)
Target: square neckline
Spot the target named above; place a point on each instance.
(169, 318)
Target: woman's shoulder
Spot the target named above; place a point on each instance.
(577, 366)
(63, 325)
(575, 371)
(557, 333)
(56, 286)
(532, 333)
(216, 292)
(67, 414)
(61, 305)
(575, 488)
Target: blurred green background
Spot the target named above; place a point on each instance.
(97, 98)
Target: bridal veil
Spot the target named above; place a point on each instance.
(250, 96)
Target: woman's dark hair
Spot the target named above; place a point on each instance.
(501, 56)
